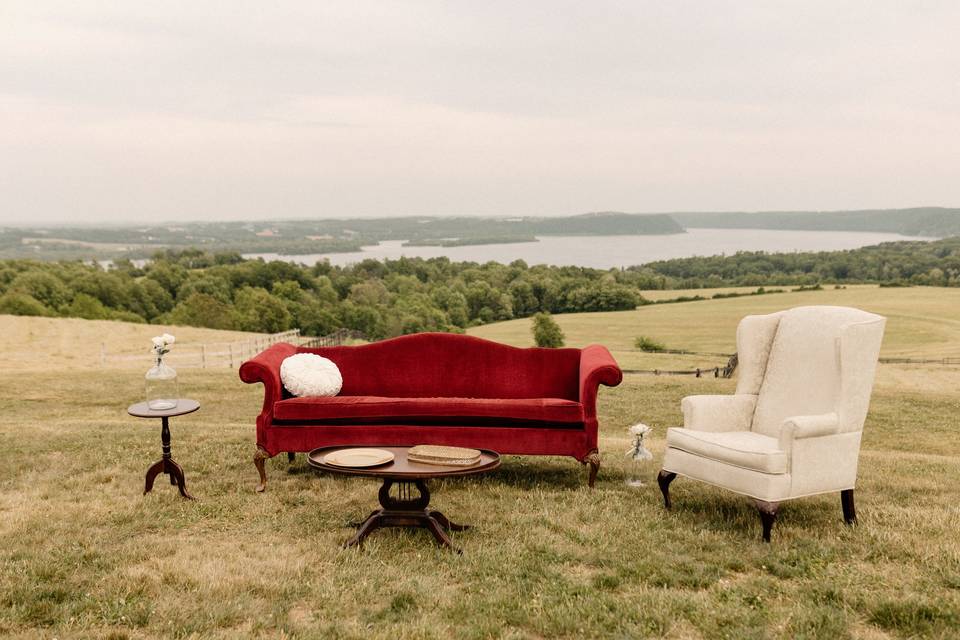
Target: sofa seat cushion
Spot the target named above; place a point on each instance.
(376, 408)
(744, 449)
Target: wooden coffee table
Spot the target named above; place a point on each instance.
(407, 509)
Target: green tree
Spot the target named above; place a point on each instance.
(546, 331)
(202, 310)
(255, 309)
(18, 303)
(86, 306)
(44, 287)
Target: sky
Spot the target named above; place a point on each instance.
(116, 112)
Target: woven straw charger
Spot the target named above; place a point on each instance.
(441, 455)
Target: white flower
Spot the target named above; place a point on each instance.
(639, 429)
(157, 342)
(637, 451)
(168, 339)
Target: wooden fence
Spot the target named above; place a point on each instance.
(941, 361)
(335, 339)
(204, 355)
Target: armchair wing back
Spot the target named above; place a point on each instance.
(793, 427)
(821, 360)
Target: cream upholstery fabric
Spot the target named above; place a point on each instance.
(740, 448)
(793, 428)
(718, 413)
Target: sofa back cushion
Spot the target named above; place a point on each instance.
(802, 375)
(437, 365)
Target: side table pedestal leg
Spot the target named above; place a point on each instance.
(155, 469)
(177, 478)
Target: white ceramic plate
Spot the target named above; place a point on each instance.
(358, 457)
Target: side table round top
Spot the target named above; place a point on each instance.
(400, 468)
(184, 406)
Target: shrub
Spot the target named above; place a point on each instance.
(546, 331)
(21, 304)
(646, 343)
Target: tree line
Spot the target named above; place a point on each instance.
(408, 295)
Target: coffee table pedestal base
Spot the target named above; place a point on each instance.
(409, 511)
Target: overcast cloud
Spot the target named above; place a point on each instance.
(125, 111)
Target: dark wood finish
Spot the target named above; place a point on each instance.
(768, 515)
(664, 478)
(259, 459)
(291, 456)
(166, 463)
(410, 507)
(184, 406)
(849, 509)
(593, 459)
(400, 468)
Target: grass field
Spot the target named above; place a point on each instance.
(85, 555)
(922, 322)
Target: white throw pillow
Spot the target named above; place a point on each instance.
(307, 374)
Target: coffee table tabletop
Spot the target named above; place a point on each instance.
(400, 468)
(406, 509)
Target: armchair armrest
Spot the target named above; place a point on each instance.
(800, 427)
(719, 412)
(265, 368)
(597, 367)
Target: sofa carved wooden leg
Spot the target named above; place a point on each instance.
(259, 459)
(664, 478)
(291, 456)
(593, 459)
(849, 510)
(768, 514)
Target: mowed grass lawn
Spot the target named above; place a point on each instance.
(84, 554)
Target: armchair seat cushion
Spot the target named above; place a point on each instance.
(745, 449)
(545, 410)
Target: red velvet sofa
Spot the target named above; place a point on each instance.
(439, 388)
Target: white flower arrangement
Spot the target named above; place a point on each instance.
(637, 451)
(162, 344)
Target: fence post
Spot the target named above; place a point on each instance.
(698, 372)
(203, 356)
(230, 346)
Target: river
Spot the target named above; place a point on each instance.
(603, 252)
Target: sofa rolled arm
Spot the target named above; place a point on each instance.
(597, 367)
(265, 368)
(801, 427)
(719, 412)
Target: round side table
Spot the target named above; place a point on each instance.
(166, 463)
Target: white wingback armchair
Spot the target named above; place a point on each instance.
(793, 427)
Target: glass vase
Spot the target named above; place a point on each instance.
(162, 391)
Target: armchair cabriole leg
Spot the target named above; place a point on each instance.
(849, 510)
(259, 459)
(768, 514)
(664, 478)
(593, 459)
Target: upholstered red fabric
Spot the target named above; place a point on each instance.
(438, 388)
(428, 365)
(546, 410)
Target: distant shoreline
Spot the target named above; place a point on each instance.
(612, 251)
